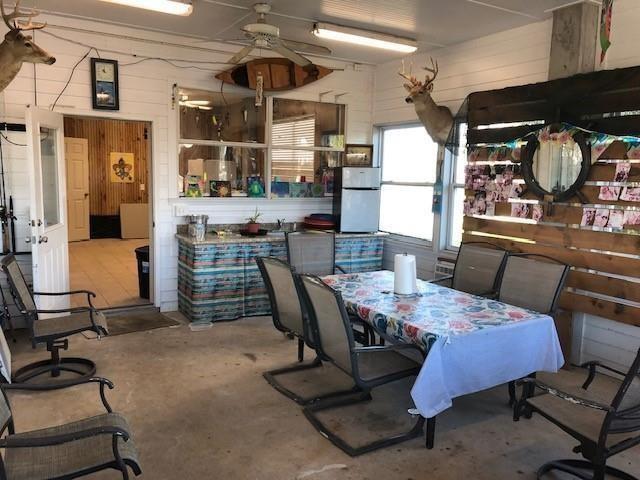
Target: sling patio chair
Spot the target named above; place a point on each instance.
(477, 268)
(370, 367)
(534, 282)
(603, 426)
(289, 317)
(314, 253)
(53, 331)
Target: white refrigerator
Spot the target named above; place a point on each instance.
(356, 200)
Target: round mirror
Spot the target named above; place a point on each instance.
(556, 163)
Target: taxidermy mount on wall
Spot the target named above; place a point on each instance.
(18, 48)
(437, 119)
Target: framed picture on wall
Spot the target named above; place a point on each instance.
(358, 156)
(104, 84)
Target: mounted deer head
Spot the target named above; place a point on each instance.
(437, 119)
(18, 48)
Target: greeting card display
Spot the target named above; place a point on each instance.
(588, 217)
(537, 213)
(602, 217)
(622, 172)
(616, 219)
(520, 210)
(609, 194)
(630, 194)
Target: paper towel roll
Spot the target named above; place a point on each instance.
(404, 278)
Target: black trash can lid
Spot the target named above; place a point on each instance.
(143, 250)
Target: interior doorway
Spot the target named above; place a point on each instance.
(108, 203)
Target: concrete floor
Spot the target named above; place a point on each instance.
(200, 409)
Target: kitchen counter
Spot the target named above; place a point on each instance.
(218, 278)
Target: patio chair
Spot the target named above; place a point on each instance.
(604, 428)
(54, 330)
(534, 282)
(314, 253)
(370, 367)
(477, 269)
(288, 317)
(66, 451)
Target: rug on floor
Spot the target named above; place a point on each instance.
(129, 322)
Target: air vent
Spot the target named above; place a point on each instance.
(444, 269)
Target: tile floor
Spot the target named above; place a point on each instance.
(108, 267)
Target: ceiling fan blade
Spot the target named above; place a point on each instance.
(277, 46)
(305, 47)
(241, 54)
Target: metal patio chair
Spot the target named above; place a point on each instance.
(314, 253)
(602, 427)
(370, 367)
(477, 268)
(66, 451)
(534, 282)
(53, 331)
(288, 317)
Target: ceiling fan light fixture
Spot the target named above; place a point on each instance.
(365, 38)
(172, 7)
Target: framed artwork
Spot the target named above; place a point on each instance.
(255, 187)
(279, 189)
(358, 156)
(121, 167)
(104, 84)
(220, 188)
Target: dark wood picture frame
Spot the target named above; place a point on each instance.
(355, 149)
(99, 86)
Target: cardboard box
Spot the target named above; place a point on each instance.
(134, 220)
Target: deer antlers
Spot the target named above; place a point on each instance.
(13, 24)
(427, 81)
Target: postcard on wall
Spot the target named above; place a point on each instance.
(631, 217)
(588, 217)
(616, 219)
(537, 213)
(630, 194)
(602, 217)
(121, 167)
(520, 210)
(622, 172)
(609, 193)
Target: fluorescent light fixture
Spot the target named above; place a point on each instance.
(173, 7)
(365, 38)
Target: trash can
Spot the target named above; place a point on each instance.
(142, 255)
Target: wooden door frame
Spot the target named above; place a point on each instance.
(153, 180)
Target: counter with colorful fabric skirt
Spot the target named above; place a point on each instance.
(218, 278)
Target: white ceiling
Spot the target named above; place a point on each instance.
(432, 23)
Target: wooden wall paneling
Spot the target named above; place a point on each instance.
(106, 136)
(601, 308)
(611, 286)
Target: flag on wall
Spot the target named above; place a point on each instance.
(605, 27)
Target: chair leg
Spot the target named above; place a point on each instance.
(584, 470)
(431, 432)
(271, 375)
(364, 396)
(512, 394)
(300, 350)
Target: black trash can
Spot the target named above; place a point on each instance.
(142, 255)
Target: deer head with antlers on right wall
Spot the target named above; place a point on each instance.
(18, 48)
(437, 119)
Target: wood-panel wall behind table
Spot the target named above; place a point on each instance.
(605, 276)
(106, 136)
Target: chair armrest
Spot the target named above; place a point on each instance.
(339, 268)
(89, 294)
(26, 442)
(443, 279)
(388, 348)
(566, 396)
(45, 387)
(593, 366)
(67, 310)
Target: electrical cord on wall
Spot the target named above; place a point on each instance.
(73, 70)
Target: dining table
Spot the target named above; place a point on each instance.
(471, 343)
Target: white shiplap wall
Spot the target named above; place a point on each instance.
(145, 94)
(513, 57)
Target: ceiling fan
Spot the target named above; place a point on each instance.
(264, 35)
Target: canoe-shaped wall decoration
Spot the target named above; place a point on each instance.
(278, 74)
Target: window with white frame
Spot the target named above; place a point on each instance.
(456, 189)
(408, 161)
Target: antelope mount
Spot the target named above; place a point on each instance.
(18, 48)
(437, 119)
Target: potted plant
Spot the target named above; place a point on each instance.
(252, 222)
